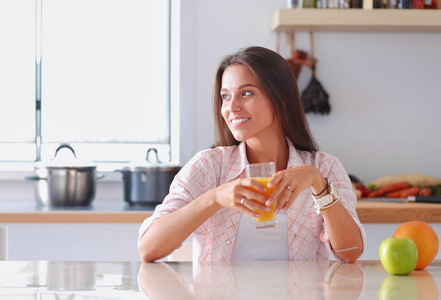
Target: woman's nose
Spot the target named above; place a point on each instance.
(235, 103)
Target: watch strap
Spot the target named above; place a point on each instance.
(327, 200)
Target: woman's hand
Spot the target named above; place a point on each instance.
(237, 195)
(291, 182)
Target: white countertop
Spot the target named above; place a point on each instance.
(212, 280)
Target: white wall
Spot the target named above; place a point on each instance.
(384, 88)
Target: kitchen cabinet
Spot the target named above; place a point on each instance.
(104, 231)
(357, 20)
(75, 242)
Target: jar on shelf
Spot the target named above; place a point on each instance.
(309, 3)
(389, 4)
(404, 4)
(343, 3)
(417, 4)
(356, 4)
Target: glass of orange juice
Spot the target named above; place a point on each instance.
(262, 173)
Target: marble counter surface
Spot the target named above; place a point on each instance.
(215, 280)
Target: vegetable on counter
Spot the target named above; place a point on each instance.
(401, 193)
(425, 192)
(413, 191)
(394, 187)
(399, 186)
(420, 180)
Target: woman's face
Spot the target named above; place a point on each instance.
(245, 106)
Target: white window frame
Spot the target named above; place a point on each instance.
(12, 170)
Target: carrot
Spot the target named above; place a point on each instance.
(374, 194)
(413, 191)
(396, 194)
(394, 187)
(425, 192)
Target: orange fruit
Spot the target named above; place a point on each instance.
(425, 239)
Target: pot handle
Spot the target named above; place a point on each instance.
(100, 176)
(65, 146)
(35, 178)
(156, 153)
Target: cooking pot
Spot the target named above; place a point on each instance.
(65, 182)
(147, 182)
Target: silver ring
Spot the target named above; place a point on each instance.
(288, 187)
(242, 201)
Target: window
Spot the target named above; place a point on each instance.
(101, 68)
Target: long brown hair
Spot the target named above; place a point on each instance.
(275, 77)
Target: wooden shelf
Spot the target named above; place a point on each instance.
(357, 20)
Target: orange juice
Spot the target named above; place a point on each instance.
(265, 216)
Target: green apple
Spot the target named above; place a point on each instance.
(398, 255)
(398, 288)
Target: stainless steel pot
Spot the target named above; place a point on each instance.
(65, 183)
(148, 183)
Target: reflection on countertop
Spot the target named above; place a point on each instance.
(69, 280)
(213, 280)
(253, 280)
(285, 280)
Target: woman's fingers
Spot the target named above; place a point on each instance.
(252, 208)
(244, 195)
(284, 197)
(291, 198)
(253, 190)
(244, 208)
(252, 204)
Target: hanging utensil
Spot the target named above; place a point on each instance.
(314, 97)
(297, 58)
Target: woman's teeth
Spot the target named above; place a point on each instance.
(238, 121)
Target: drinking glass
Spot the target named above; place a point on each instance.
(262, 173)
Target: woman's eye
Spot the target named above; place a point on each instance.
(225, 96)
(247, 93)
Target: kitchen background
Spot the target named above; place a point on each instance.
(384, 87)
(384, 91)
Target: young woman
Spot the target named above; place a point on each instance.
(259, 118)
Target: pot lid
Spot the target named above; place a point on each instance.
(66, 159)
(147, 164)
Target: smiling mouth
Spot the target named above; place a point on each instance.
(240, 121)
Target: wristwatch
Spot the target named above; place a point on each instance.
(328, 199)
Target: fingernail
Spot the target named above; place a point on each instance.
(268, 203)
(277, 210)
(257, 215)
(267, 208)
(269, 185)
